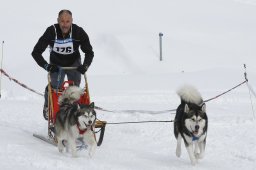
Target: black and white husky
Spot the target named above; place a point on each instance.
(191, 123)
(75, 121)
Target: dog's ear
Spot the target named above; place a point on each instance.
(92, 105)
(186, 109)
(203, 107)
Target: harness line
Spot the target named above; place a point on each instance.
(147, 121)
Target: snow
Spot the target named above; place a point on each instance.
(205, 44)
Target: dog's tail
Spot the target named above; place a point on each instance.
(189, 94)
(71, 95)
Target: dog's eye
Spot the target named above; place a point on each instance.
(193, 119)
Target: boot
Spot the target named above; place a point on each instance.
(45, 112)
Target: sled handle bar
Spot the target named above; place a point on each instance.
(73, 68)
(68, 68)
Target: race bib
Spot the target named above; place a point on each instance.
(63, 46)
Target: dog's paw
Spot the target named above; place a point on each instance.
(60, 150)
(73, 152)
(74, 155)
(92, 151)
(193, 162)
(60, 147)
(178, 152)
(199, 156)
(196, 155)
(91, 154)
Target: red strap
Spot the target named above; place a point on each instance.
(81, 132)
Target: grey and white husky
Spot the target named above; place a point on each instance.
(75, 121)
(191, 123)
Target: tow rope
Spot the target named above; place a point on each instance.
(148, 121)
(134, 111)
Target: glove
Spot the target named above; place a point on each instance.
(51, 68)
(82, 69)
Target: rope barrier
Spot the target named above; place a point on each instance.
(138, 111)
(171, 110)
(225, 91)
(250, 89)
(126, 111)
(21, 84)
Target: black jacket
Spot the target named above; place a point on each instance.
(80, 38)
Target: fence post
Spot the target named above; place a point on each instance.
(160, 43)
(1, 65)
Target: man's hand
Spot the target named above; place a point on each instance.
(51, 68)
(82, 69)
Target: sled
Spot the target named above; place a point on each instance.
(53, 108)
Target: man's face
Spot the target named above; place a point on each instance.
(65, 21)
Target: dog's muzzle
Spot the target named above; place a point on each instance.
(90, 123)
(195, 132)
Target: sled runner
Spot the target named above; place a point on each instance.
(53, 108)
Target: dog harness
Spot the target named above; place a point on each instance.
(64, 46)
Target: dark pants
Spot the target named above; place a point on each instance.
(58, 78)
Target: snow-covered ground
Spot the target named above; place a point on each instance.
(205, 44)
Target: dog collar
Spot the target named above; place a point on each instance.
(81, 131)
(194, 138)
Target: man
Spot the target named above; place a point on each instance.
(64, 40)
